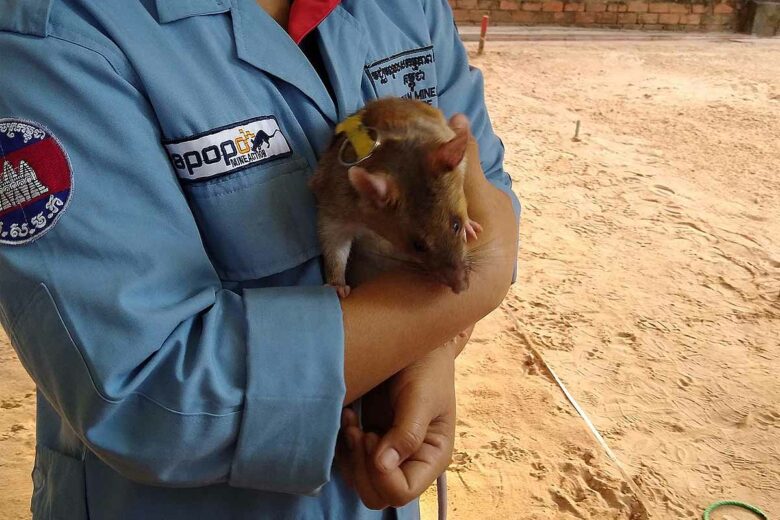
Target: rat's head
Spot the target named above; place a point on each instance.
(412, 195)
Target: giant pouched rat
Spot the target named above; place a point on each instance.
(390, 193)
(391, 185)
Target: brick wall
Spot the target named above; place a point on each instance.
(690, 15)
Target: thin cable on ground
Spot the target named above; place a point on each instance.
(637, 493)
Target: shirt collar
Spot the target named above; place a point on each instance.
(305, 15)
(32, 16)
(25, 16)
(172, 10)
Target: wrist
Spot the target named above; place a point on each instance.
(442, 357)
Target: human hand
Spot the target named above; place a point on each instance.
(394, 468)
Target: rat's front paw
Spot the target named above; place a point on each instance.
(341, 289)
(471, 230)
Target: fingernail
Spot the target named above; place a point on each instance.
(344, 419)
(389, 459)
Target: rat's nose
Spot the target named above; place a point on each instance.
(456, 278)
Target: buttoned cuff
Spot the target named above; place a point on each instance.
(294, 390)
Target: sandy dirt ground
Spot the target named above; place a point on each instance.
(649, 280)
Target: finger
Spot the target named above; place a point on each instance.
(473, 178)
(433, 457)
(459, 123)
(362, 482)
(391, 486)
(343, 463)
(394, 486)
(343, 441)
(407, 482)
(349, 418)
(349, 438)
(406, 435)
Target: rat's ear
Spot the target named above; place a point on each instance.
(374, 187)
(449, 155)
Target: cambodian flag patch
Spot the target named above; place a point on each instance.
(35, 181)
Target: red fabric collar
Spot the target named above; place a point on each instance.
(305, 15)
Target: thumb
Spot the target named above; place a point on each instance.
(407, 434)
(459, 123)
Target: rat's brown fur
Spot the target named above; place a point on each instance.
(421, 202)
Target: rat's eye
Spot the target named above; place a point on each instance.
(420, 246)
(456, 225)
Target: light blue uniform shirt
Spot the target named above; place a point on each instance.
(188, 360)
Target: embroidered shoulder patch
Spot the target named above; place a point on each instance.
(228, 149)
(35, 181)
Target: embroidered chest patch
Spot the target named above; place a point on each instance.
(409, 74)
(228, 149)
(35, 181)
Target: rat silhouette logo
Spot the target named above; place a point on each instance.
(263, 140)
(35, 181)
(228, 149)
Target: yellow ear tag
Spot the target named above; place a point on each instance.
(358, 136)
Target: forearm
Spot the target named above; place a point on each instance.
(397, 318)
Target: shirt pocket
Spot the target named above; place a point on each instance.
(258, 221)
(409, 74)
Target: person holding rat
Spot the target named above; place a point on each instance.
(160, 274)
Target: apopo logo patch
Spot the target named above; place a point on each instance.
(228, 149)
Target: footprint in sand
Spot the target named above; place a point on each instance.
(538, 470)
(565, 503)
(461, 461)
(585, 483)
(594, 354)
(626, 338)
(8, 404)
(671, 209)
(504, 450)
(15, 428)
(655, 485)
(684, 382)
(768, 288)
(769, 418)
(660, 189)
(694, 229)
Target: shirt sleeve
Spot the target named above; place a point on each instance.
(461, 89)
(122, 322)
